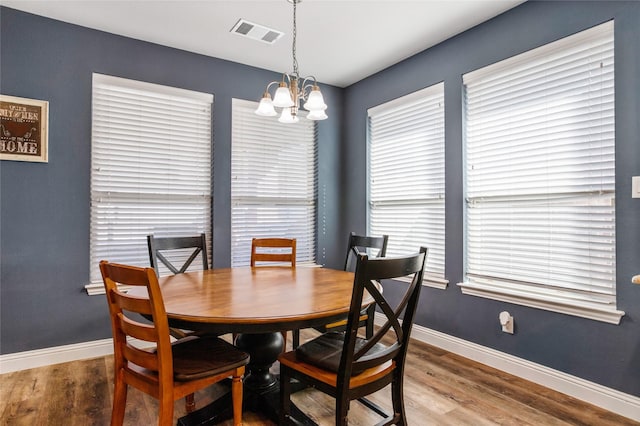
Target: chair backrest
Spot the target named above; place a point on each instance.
(125, 311)
(358, 244)
(171, 250)
(370, 271)
(278, 250)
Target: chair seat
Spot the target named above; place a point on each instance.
(325, 351)
(190, 364)
(292, 360)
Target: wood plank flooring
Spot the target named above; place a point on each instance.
(441, 388)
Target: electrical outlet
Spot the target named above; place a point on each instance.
(506, 321)
(635, 187)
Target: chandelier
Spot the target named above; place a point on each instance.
(292, 91)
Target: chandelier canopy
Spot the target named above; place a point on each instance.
(292, 91)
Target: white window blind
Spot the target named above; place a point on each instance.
(150, 168)
(273, 182)
(406, 176)
(540, 177)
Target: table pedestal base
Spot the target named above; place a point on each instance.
(261, 387)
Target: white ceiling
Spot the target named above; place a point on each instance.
(338, 41)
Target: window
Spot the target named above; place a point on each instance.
(406, 176)
(540, 178)
(273, 182)
(150, 168)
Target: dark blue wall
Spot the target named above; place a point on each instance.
(44, 208)
(599, 352)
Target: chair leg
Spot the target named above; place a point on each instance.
(397, 398)
(119, 401)
(296, 338)
(342, 410)
(165, 415)
(189, 403)
(284, 345)
(236, 397)
(285, 396)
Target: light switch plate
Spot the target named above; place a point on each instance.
(635, 187)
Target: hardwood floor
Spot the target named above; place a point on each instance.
(441, 388)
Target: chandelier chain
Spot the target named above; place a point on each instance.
(295, 31)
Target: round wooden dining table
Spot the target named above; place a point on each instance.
(258, 303)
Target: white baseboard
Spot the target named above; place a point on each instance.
(56, 355)
(610, 399)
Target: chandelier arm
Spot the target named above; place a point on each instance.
(288, 77)
(271, 84)
(307, 85)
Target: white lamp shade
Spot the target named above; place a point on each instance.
(315, 101)
(282, 98)
(265, 108)
(317, 115)
(287, 118)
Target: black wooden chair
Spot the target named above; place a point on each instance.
(358, 244)
(180, 251)
(169, 251)
(346, 366)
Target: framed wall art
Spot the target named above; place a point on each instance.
(24, 129)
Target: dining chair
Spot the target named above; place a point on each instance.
(270, 250)
(172, 252)
(348, 367)
(357, 244)
(164, 370)
(273, 250)
(177, 255)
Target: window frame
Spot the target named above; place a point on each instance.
(426, 111)
(496, 80)
(284, 189)
(137, 180)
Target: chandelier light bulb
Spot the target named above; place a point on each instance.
(317, 115)
(265, 108)
(287, 118)
(282, 98)
(315, 101)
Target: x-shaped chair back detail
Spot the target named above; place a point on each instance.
(159, 248)
(360, 244)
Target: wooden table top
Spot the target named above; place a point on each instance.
(260, 299)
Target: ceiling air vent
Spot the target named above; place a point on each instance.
(256, 31)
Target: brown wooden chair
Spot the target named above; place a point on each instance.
(348, 367)
(277, 250)
(358, 244)
(165, 371)
(281, 250)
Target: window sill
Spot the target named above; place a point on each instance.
(549, 303)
